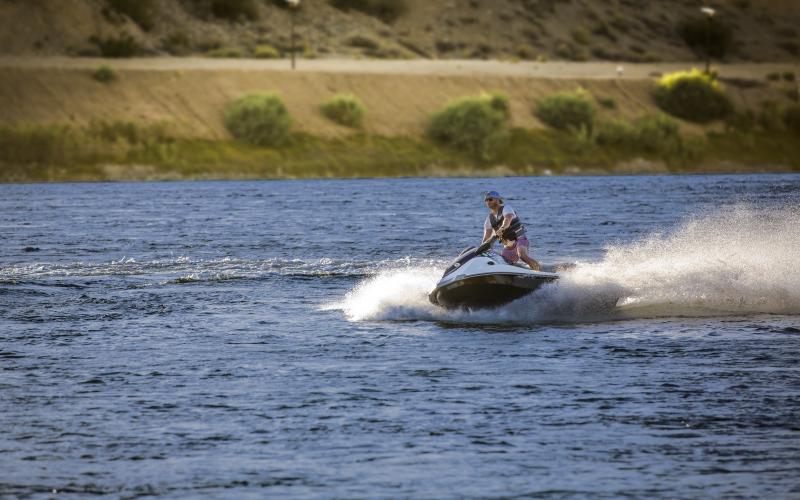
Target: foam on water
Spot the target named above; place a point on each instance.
(737, 260)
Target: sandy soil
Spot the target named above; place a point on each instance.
(191, 93)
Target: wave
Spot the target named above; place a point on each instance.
(184, 270)
(738, 260)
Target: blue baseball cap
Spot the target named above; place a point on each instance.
(492, 194)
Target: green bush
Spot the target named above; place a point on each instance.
(266, 52)
(142, 12)
(122, 46)
(177, 43)
(235, 10)
(344, 109)
(567, 110)
(104, 74)
(386, 10)
(712, 39)
(260, 119)
(657, 133)
(615, 132)
(692, 95)
(478, 125)
(650, 134)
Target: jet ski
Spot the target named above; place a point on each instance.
(481, 278)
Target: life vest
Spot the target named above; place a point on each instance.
(514, 231)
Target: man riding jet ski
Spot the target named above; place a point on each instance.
(503, 223)
(480, 277)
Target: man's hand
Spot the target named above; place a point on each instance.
(499, 232)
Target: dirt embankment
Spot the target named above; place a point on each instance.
(577, 30)
(192, 94)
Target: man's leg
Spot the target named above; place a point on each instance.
(522, 251)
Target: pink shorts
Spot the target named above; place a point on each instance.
(510, 254)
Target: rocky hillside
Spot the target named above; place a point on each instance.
(617, 30)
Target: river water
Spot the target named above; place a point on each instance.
(254, 339)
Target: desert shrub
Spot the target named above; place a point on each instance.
(445, 46)
(363, 42)
(344, 109)
(478, 125)
(788, 76)
(481, 51)
(384, 52)
(601, 28)
(177, 43)
(235, 10)
(791, 118)
(373, 47)
(570, 52)
(692, 95)
(773, 77)
(104, 74)
(580, 36)
(260, 119)
(567, 110)
(791, 47)
(225, 53)
(386, 10)
(142, 12)
(712, 39)
(122, 46)
(266, 52)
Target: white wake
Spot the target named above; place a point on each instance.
(738, 260)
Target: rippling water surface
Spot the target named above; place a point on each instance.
(254, 339)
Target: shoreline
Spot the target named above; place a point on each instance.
(455, 175)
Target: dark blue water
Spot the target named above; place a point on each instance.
(254, 339)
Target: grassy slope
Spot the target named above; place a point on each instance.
(190, 141)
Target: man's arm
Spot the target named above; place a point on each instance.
(487, 235)
(507, 218)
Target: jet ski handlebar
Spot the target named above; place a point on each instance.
(485, 246)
